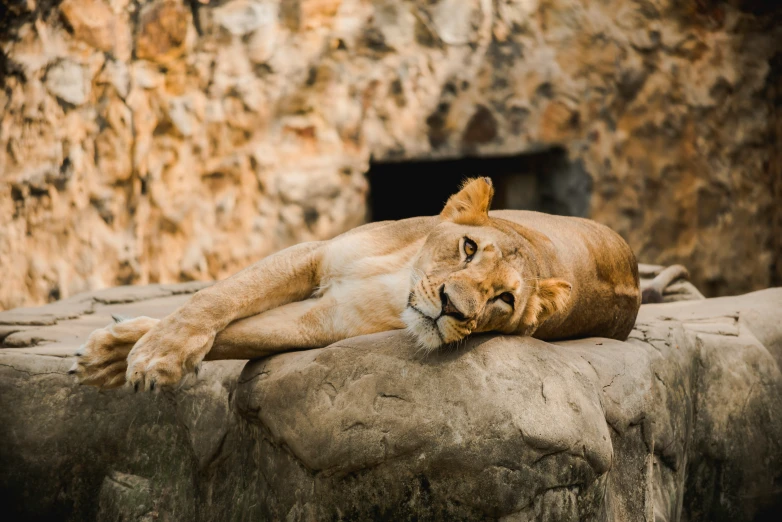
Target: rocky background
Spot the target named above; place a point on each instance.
(168, 140)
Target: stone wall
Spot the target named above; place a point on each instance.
(156, 141)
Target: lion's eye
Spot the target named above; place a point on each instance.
(469, 248)
(508, 298)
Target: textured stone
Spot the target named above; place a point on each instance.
(125, 497)
(66, 81)
(678, 423)
(168, 157)
(246, 16)
(91, 21)
(162, 31)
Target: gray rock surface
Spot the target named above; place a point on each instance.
(679, 289)
(680, 423)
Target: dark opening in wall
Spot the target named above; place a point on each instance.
(545, 181)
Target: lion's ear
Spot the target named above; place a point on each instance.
(552, 296)
(470, 206)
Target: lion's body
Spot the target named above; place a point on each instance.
(441, 277)
(366, 272)
(601, 267)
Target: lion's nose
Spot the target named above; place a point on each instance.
(448, 306)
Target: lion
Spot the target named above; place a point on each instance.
(442, 278)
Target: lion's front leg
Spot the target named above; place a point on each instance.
(178, 344)
(103, 359)
(295, 326)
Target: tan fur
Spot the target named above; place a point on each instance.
(530, 274)
(552, 295)
(470, 206)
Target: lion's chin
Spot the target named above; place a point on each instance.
(423, 329)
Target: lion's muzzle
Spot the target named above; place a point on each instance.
(448, 308)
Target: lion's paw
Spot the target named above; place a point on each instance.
(165, 356)
(102, 360)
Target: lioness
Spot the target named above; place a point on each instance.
(442, 278)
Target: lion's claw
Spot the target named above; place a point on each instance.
(102, 360)
(166, 355)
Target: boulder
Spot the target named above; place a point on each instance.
(680, 422)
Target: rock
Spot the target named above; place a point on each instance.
(454, 20)
(262, 44)
(482, 127)
(66, 81)
(132, 130)
(179, 111)
(678, 423)
(116, 74)
(91, 21)
(246, 16)
(162, 30)
(125, 497)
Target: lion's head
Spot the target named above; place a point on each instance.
(478, 274)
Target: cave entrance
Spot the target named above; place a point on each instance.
(545, 181)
